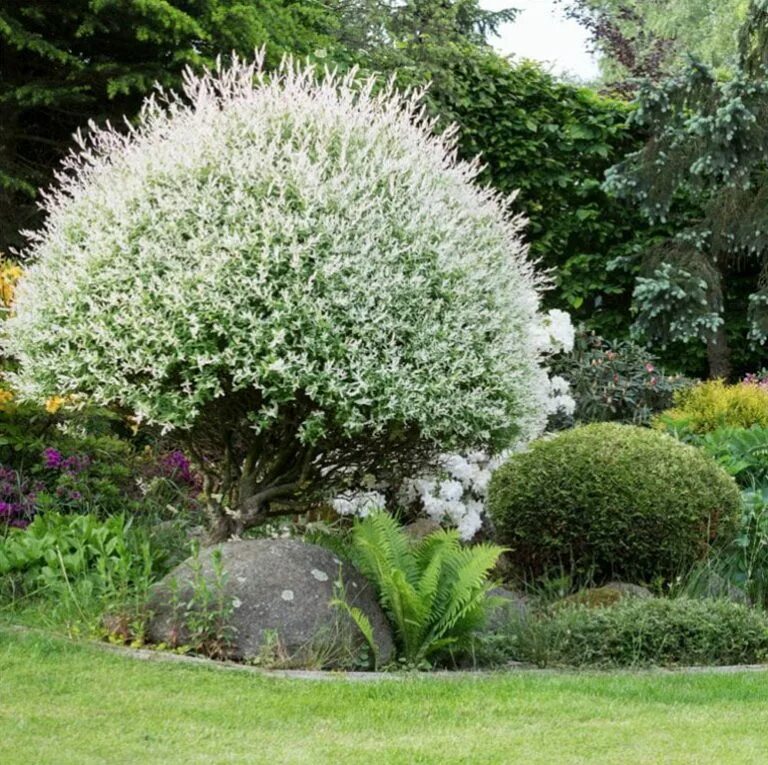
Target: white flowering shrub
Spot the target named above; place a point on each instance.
(295, 274)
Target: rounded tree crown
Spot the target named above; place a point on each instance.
(300, 236)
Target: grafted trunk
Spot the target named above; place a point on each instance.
(253, 510)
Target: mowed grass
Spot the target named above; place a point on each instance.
(63, 703)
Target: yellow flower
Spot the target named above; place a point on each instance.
(54, 403)
(10, 274)
(6, 397)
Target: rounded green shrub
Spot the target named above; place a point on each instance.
(610, 500)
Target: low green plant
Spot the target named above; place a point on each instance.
(203, 621)
(714, 404)
(636, 632)
(80, 567)
(434, 591)
(607, 501)
(743, 453)
(359, 619)
(739, 567)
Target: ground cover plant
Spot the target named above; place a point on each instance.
(639, 632)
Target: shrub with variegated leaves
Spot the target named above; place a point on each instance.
(294, 273)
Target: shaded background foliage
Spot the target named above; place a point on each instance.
(63, 64)
(703, 168)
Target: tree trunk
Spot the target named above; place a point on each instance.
(251, 510)
(223, 528)
(719, 354)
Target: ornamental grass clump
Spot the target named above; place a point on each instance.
(294, 273)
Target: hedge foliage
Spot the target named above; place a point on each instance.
(553, 142)
(610, 500)
(657, 631)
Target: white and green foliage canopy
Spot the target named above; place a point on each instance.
(301, 244)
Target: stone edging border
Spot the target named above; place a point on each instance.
(145, 654)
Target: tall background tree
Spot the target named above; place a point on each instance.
(63, 64)
(705, 167)
(651, 39)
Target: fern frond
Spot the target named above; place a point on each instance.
(471, 568)
(386, 545)
(363, 623)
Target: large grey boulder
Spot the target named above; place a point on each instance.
(280, 593)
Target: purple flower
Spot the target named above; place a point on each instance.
(176, 466)
(52, 458)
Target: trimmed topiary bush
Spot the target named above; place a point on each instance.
(295, 274)
(610, 500)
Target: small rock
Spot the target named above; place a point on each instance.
(631, 590)
(712, 585)
(607, 595)
(514, 608)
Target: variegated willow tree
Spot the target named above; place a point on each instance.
(294, 274)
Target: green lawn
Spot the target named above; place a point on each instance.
(62, 703)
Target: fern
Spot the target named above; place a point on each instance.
(435, 592)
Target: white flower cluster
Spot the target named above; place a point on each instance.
(359, 503)
(560, 401)
(455, 493)
(555, 332)
(305, 237)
